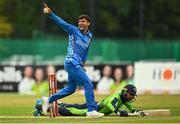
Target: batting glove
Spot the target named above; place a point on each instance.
(123, 113)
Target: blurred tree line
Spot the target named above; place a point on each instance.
(147, 19)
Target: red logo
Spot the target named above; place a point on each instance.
(167, 74)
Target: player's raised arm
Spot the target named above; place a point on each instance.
(64, 25)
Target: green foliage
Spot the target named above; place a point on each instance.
(161, 18)
(115, 18)
(5, 27)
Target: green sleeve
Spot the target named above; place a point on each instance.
(130, 106)
(112, 103)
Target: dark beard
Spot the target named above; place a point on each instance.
(124, 100)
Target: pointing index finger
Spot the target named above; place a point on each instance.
(45, 5)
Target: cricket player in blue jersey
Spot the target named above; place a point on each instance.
(79, 42)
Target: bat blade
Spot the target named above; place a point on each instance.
(158, 112)
(152, 113)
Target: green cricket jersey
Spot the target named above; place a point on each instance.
(113, 103)
(107, 106)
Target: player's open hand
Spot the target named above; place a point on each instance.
(46, 9)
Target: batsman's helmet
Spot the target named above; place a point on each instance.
(129, 93)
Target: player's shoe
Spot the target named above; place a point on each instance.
(45, 105)
(38, 108)
(94, 114)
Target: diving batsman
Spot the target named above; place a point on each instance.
(109, 105)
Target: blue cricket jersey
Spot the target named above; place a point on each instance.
(78, 42)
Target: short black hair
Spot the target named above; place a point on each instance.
(88, 18)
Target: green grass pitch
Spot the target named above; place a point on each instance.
(16, 108)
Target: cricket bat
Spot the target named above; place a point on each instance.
(152, 113)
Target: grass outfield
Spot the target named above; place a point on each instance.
(16, 108)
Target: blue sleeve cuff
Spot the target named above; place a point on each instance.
(52, 15)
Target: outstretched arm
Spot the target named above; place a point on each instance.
(112, 104)
(131, 108)
(64, 25)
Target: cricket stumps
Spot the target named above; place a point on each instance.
(53, 109)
